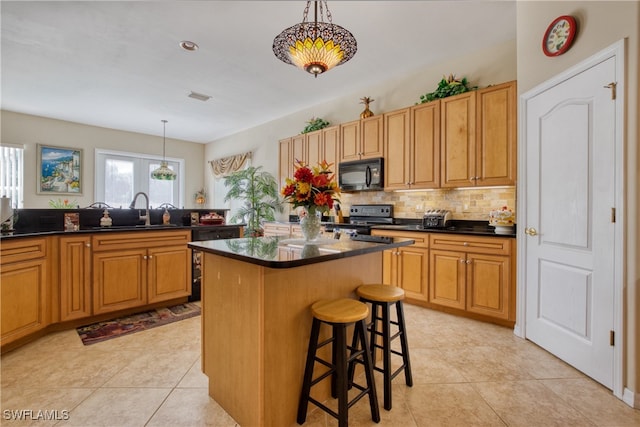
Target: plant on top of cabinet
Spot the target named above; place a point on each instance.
(448, 87)
(259, 192)
(315, 124)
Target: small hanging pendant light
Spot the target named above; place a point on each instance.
(163, 172)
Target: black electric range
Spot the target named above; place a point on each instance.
(363, 217)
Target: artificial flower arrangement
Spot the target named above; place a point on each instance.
(315, 188)
(63, 204)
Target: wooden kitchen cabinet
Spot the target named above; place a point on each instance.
(479, 137)
(169, 273)
(322, 145)
(407, 267)
(24, 287)
(362, 139)
(75, 277)
(472, 273)
(457, 140)
(135, 269)
(285, 166)
(310, 148)
(276, 229)
(350, 141)
(496, 135)
(412, 147)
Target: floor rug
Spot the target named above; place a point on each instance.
(102, 331)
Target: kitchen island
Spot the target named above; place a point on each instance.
(256, 322)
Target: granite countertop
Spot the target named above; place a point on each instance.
(469, 227)
(116, 228)
(275, 251)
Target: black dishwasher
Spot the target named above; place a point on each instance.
(199, 234)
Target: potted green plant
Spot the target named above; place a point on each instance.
(315, 124)
(258, 190)
(448, 87)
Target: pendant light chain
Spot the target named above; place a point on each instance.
(164, 138)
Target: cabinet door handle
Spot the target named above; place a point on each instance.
(465, 244)
(88, 245)
(461, 261)
(150, 256)
(144, 257)
(468, 261)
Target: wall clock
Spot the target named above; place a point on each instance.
(559, 36)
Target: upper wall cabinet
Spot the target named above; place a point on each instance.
(478, 131)
(412, 147)
(311, 148)
(458, 140)
(496, 135)
(361, 139)
(461, 141)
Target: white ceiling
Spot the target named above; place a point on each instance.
(118, 64)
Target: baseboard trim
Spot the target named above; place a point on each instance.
(630, 398)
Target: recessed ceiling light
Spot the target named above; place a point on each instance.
(188, 45)
(199, 96)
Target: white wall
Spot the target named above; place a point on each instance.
(31, 130)
(600, 24)
(491, 66)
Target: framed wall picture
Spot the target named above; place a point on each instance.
(59, 170)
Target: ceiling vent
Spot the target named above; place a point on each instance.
(199, 96)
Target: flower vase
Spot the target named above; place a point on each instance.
(310, 225)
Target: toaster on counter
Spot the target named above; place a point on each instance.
(436, 218)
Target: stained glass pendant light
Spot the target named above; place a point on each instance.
(163, 172)
(316, 46)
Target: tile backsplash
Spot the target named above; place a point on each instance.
(464, 203)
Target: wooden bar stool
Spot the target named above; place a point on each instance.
(383, 296)
(339, 314)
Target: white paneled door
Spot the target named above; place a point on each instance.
(569, 221)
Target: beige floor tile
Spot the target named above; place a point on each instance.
(485, 363)
(190, 408)
(529, 403)
(194, 378)
(121, 407)
(465, 372)
(450, 405)
(595, 402)
(63, 369)
(430, 366)
(159, 368)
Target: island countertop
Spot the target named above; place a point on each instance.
(289, 251)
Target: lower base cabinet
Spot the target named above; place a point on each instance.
(473, 274)
(75, 277)
(463, 274)
(24, 288)
(119, 280)
(131, 270)
(407, 267)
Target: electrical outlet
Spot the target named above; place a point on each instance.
(419, 207)
(465, 207)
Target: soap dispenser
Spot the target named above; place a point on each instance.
(106, 220)
(166, 217)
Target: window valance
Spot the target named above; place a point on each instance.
(228, 165)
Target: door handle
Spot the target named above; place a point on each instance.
(531, 231)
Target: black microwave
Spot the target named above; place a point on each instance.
(361, 175)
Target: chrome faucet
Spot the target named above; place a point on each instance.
(145, 217)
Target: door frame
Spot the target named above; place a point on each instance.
(616, 51)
